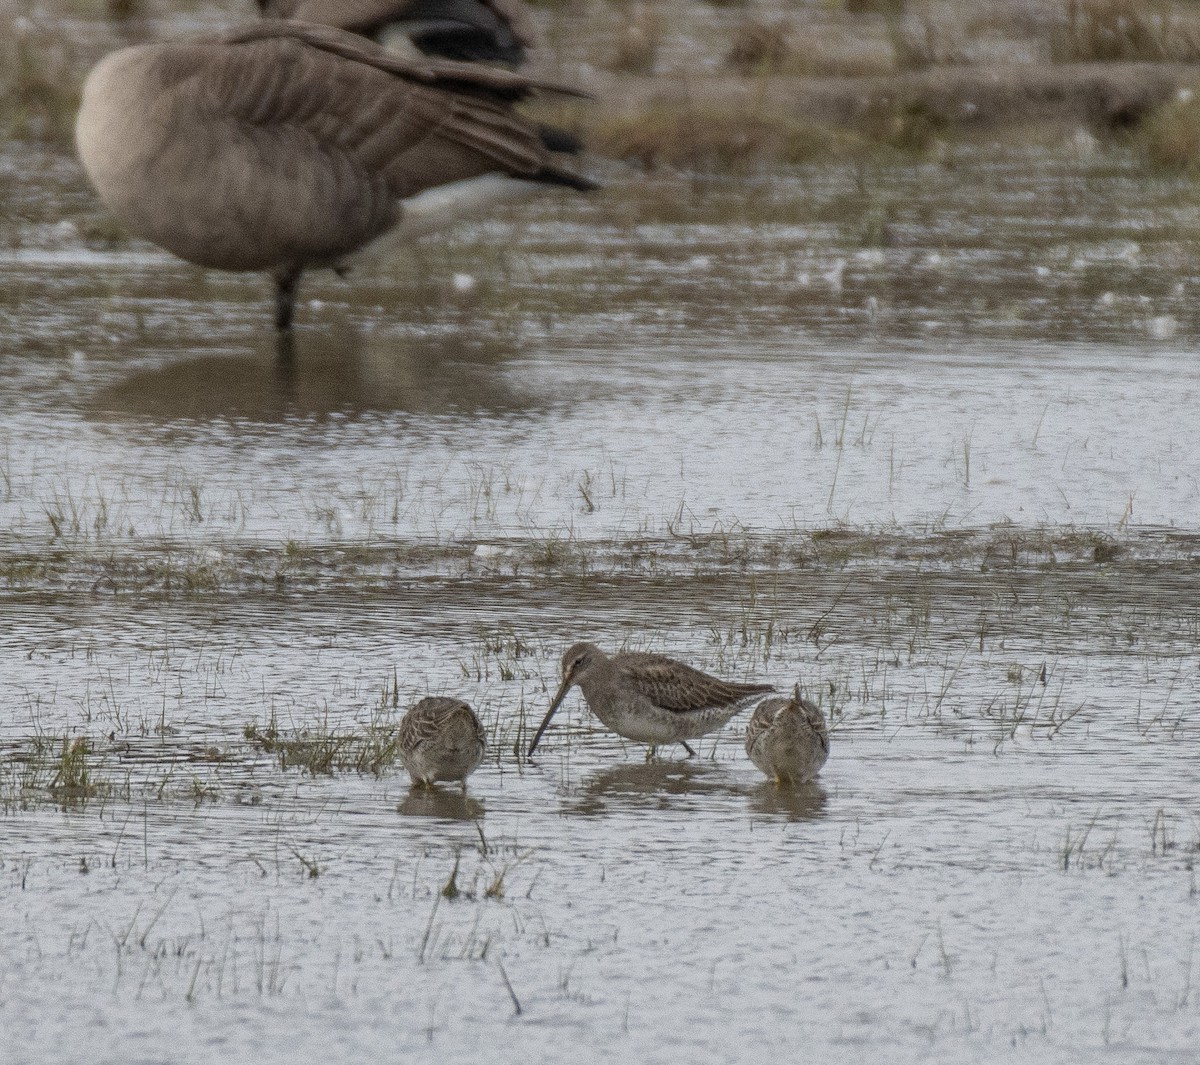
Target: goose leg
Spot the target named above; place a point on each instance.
(285, 357)
(688, 747)
(287, 280)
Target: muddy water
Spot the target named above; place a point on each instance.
(920, 437)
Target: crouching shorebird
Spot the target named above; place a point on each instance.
(787, 739)
(284, 146)
(440, 739)
(649, 698)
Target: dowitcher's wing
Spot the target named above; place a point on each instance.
(813, 720)
(678, 687)
(762, 719)
(431, 717)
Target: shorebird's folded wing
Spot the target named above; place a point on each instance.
(427, 719)
(814, 720)
(762, 719)
(678, 687)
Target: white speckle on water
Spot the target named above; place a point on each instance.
(464, 283)
(1162, 327)
(833, 276)
(1083, 142)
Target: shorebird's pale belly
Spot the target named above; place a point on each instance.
(640, 720)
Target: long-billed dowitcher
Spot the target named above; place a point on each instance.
(787, 739)
(440, 739)
(648, 698)
(286, 146)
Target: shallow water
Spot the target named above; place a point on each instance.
(937, 466)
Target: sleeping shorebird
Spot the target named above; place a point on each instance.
(440, 739)
(787, 739)
(486, 31)
(649, 698)
(285, 146)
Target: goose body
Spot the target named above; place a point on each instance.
(649, 698)
(287, 146)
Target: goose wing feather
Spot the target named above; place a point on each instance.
(507, 84)
(367, 16)
(288, 144)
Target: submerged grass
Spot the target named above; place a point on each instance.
(1127, 30)
(322, 750)
(687, 548)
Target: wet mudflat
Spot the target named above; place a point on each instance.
(919, 436)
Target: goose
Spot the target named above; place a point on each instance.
(489, 31)
(284, 146)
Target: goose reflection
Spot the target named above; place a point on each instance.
(335, 371)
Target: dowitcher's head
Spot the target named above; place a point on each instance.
(577, 660)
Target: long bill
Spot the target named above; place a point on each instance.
(563, 688)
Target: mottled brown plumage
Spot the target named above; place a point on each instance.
(440, 739)
(284, 146)
(787, 739)
(647, 697)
